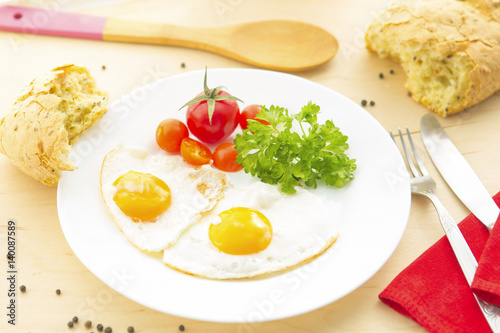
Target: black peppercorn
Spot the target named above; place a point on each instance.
(75, 319)
(88, 324)
(108, 330)
(181, 328)
(391, 71)
(99, 327)
(381, 76)
(372, 103)
(22, 288)
(183, 65)
(58, 291)
(363, 102)
(70, 324)
(130, 329)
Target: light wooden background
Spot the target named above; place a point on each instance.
(46, 262)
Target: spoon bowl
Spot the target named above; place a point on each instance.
(282, 45)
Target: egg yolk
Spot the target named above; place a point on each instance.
(241, 231)
(141, 196)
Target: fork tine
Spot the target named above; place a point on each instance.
(392, 136)
(421, 166)
(413, 169)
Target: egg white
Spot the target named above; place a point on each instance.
(302, 230)
(193, 191)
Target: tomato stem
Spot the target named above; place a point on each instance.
(211, 96)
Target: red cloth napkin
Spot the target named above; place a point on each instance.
(433, 290)
(486, 284)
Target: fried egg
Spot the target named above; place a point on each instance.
(153, 198)
(254, 230)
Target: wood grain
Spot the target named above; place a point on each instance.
(289, 45)
(45, 260)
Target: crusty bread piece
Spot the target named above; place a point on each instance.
(47, 118)
(449, 49)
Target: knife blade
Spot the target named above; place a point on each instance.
(457, 172)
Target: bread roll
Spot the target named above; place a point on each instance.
(47, 118)
(449, 49)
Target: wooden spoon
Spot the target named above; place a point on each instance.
(278, 44)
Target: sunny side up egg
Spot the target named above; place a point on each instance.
(252, 231)
(153, 198)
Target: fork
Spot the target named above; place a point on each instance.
(422, 184)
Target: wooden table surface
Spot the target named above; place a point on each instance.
(45, 262)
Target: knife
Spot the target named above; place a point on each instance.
(457, 172)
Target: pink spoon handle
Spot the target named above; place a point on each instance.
(47, 22)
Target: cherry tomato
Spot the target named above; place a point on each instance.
(250, 112)
(170, 133)
(195, 152)
(224, 120)
(225, 158)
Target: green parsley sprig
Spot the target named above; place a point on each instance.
(278, 155)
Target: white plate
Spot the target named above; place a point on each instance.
(371, 212)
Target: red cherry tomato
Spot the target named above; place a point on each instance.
(224, 120)
(225, 158)
(250, 112)
(170, 133)
(195, 152)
